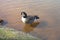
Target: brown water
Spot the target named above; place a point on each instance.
(47, 27)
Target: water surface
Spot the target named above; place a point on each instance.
(48, 11)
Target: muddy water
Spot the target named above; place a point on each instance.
(47, 27)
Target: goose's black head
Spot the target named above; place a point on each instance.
(24, 14)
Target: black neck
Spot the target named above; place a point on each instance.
(24, 14)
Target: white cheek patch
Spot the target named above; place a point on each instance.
(24, 20)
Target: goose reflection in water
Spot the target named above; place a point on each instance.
(28, 27)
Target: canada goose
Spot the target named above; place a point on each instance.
(27, 18)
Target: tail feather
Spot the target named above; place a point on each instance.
(36, 17)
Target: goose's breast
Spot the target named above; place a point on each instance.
(24, 20)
